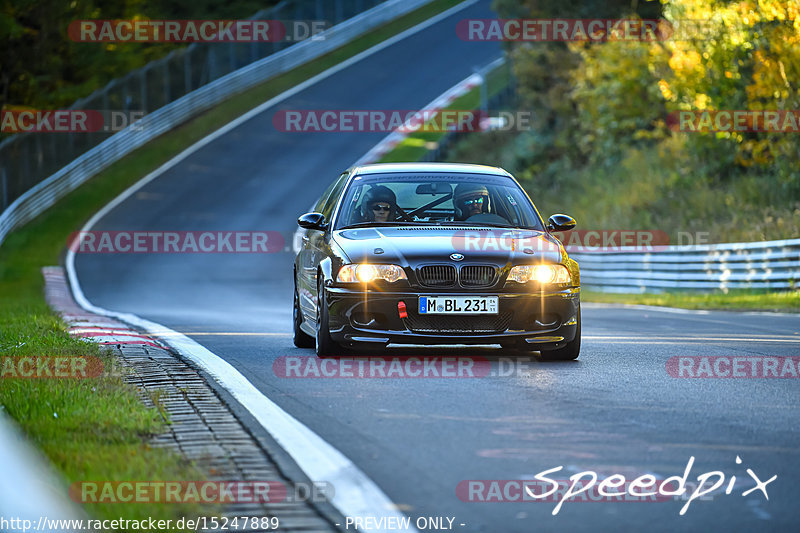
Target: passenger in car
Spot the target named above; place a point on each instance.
(469, 200)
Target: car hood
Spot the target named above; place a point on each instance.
(412, 245)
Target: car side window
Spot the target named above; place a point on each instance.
(324, 198)
(333, 197)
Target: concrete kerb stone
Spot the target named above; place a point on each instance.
(204, 427)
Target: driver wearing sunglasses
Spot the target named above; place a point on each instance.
(380, 211)
(470, 200)
(378, 205)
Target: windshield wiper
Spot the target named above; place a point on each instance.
(479, 224)
(373, 224)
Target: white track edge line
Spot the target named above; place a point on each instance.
(357, 495)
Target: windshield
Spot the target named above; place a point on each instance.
(436, 199)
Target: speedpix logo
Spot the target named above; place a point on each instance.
(588, 486)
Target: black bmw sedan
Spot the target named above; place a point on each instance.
(433, 253)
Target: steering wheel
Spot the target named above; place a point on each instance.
(488, 218)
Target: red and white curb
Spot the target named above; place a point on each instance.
(84, 324)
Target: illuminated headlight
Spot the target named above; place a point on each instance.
(544, 274)
(366, 273)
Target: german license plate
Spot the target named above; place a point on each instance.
(458, 305)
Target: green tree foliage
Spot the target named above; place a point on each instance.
(602, 147)
(744, 55)
(597, 103)
(617, 104)
(41, 67)
(581, 103)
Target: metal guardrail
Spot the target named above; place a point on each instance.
(749, 265)
(27, 158)
(42, 152)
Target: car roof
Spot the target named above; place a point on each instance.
(382, 168)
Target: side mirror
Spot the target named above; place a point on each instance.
(312, 221)
(561, 223)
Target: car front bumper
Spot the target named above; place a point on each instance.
(544, 320)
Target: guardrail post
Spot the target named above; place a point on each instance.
(187, 69)
(39, 153)
(143, 87)
(337, 12)
(5, 188)
(212, 63)
(484, 95)
(275, 15)
(126, 96)
(166, 80)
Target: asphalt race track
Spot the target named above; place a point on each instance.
(615, 410)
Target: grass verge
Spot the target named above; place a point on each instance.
(735, 300)
(96, 429)
(93, 428)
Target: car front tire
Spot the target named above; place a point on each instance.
(301, 338)
(325, 346)
(568, 352)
